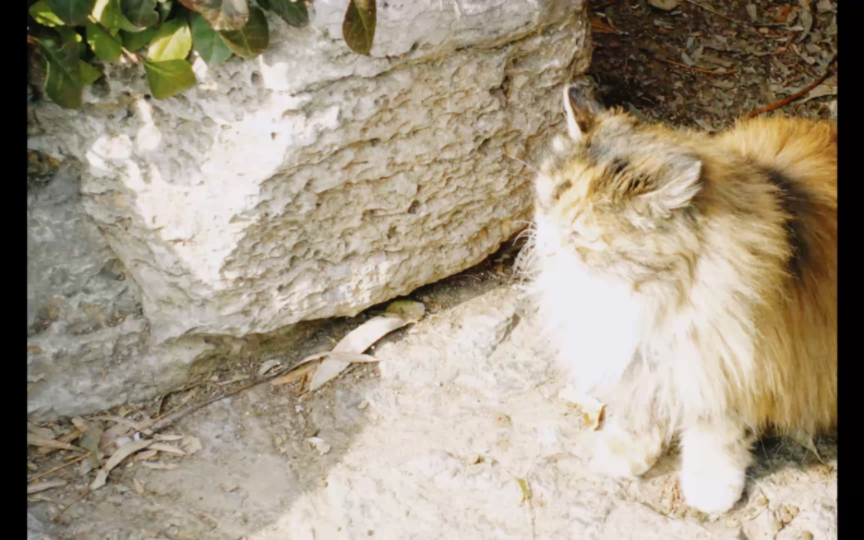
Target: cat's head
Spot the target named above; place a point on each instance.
(619, 192)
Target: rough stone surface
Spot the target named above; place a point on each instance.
(463, 405)
(87, 337)
(313, 182)
(308, 183)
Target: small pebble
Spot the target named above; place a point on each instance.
(776, 525)
(760, 500)
(805, 535)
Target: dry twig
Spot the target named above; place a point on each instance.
(715, 12)
(700, 70)
(796, 95)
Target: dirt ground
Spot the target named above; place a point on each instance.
(457, 432)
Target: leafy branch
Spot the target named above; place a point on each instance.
(70, 40)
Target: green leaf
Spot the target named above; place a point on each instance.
(141, 13)
(63, 81)
(207, 41)
(72, 12)
(103, 45)
(221, 14)
(358, 28)
(168, 77)
(252, 39)
(110, 15)
(172, 41)
(134, 41)
(42, 14)
(89, 74)
(164, 9)
(294, 13)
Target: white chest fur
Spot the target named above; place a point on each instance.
(594, 322)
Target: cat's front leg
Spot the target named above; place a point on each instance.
(714, 461)
(623, 453)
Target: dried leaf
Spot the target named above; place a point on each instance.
(600, 27)
(145, 455)
(409, 310)
(805, 18)
(138, 485)
(167, 448)
(39, 431)
(267, 366)
(819, 91)
(90, 441)
(825, 6)
(42, 486)
(35, 440)
(235, 378)
(357, 341)
(168, 437)
(299, 372)
(806, 440)
(526, 490)
(122, 453)
(751, 12)
(665, 5)
(161, 466)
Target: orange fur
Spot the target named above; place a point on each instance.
(727, 246)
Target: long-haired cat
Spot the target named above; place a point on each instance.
(691, 283)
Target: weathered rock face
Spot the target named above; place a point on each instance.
(313, 182)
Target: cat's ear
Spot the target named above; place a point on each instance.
(679, 183)
(580, 109)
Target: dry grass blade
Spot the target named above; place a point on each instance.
(42, 486)
(161, 466)
(167, 448)
(68, 438)
(296, 374)
(600, 27)
(35, 440)
(122, 453)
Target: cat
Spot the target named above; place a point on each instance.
(690, 281)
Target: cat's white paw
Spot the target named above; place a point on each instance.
(712, 492)
(620, 455)
(714, 462)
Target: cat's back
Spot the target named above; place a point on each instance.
(803, 151)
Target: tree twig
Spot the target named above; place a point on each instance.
(604, 4)
(161, 422)
(729, 72)
(712, 10)
(71, 504)
(794, 96)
